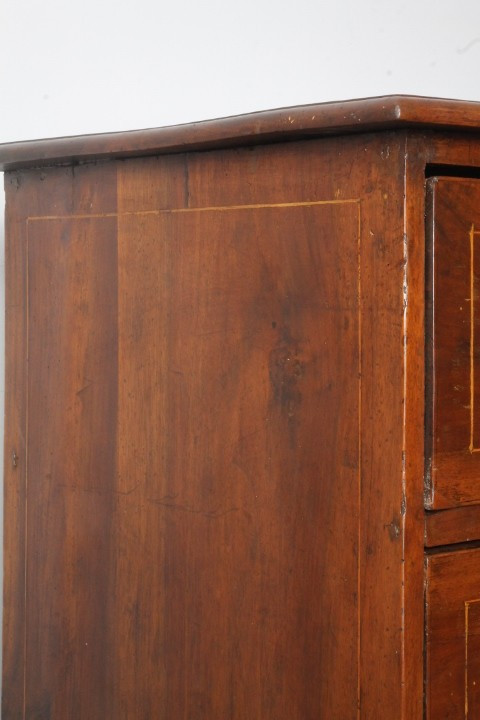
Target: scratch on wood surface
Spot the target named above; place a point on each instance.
(213, 514)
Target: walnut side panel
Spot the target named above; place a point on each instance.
(279, 377)
(247, 519)
(71, 443)
(14, 453)
(61, 190)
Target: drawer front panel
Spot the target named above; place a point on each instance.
(453, 636)
(453, 346)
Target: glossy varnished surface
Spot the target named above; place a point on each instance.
(72, 384)
(453, 425)
(225, 370)
(214, 420)
(456, 525)
(453, 636)
(206, 495)
(284, 124)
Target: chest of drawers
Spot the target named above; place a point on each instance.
(242, 475)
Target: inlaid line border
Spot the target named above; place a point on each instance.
(221, 208)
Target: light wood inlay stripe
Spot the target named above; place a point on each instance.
(289, 205)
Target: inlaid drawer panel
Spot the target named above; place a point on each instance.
(453, 636)
(453, 343)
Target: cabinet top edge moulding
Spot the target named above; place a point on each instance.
(305, 121)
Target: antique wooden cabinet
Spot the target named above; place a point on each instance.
(242, 440)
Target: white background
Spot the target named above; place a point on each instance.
(103, 65)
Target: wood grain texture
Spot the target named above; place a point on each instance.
(456, 525)
(25, 194)
(454, 227)
(14, 455)
(247, 521)
(377, 167)
(458, 152)
(237, 551)
(414, 417)
(452, 636)
(72, 381)
(334, 118)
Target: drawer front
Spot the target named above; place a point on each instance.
(453, 343)
(453, 636)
